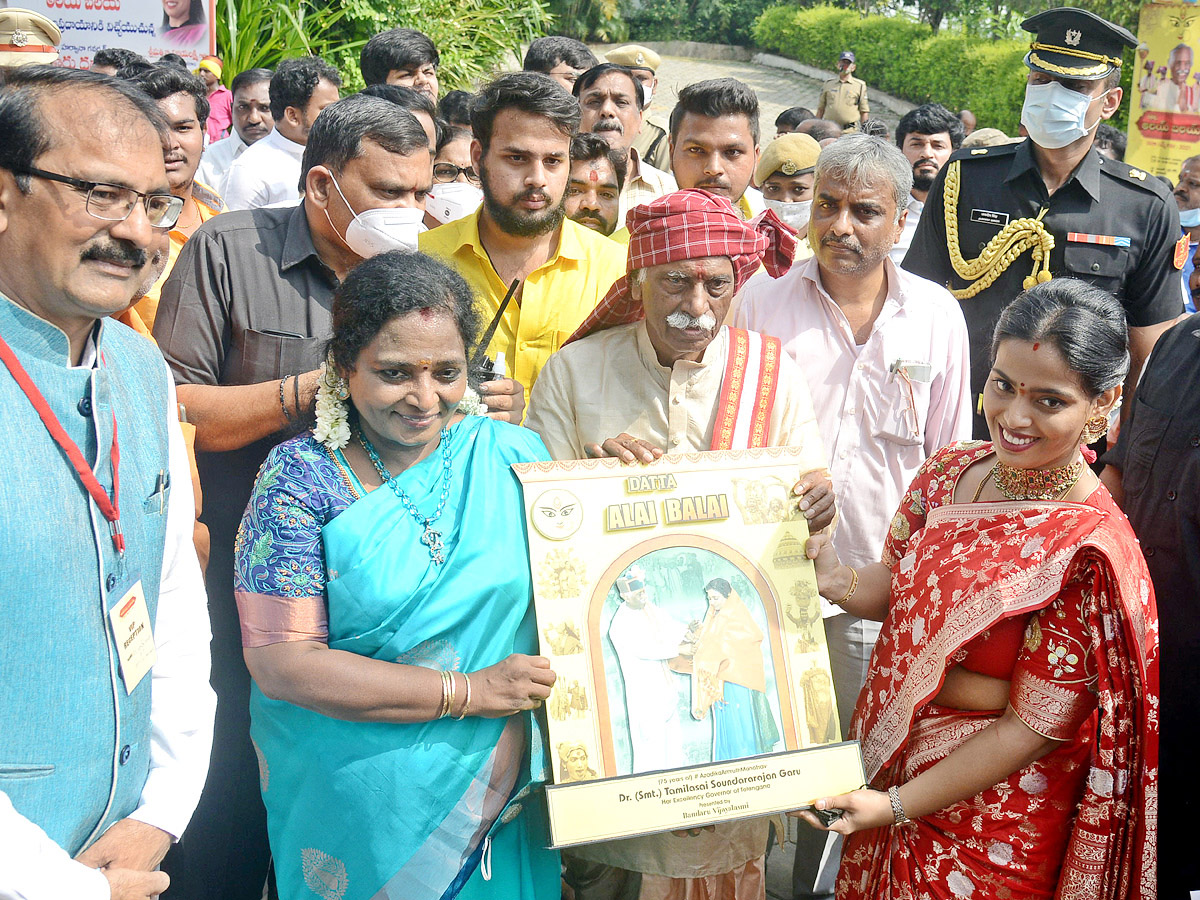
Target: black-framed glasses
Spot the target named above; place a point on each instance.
(114, 203)
(444, 173)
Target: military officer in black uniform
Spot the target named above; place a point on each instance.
(1001, 219)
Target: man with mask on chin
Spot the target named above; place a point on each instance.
(242, 322)
(523, 124)
(1069, 210)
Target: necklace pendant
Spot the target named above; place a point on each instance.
(433, 540)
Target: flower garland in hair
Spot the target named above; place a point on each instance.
(333, 410)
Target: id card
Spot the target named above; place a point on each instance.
(134, 636)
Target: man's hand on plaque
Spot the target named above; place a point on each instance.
(860, 810)
(626, 448)
(814, 490)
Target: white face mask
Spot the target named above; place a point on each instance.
(795, 213)
(1189, 218)
(447, 202)
(647, 94)
(1056, 116)
(375, 231)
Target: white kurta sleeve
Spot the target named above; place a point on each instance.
(33, 867)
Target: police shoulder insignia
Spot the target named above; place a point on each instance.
(1181, 252)
(1138, 174)
(979, 151)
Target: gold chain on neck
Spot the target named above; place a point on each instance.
(1001, 251)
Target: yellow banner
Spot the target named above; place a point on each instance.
(1164, 112)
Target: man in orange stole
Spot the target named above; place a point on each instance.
(652, 370)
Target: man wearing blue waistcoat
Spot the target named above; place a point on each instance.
(106, 724)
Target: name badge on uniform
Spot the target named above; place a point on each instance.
(989, 217)
(130, 619)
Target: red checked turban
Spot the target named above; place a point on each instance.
(692, 224)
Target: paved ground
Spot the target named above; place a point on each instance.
(777, 89)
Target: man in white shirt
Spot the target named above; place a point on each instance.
(926, 136)
(888, 356)
(610, 101)
(268, 174)
(104, 641)
(252, 121)
(715, 141)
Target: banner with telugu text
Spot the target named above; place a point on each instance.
(148, 27)
(1164, 113)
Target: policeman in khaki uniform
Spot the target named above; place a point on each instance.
(1001, 219)
(653, 144)
(844, 99)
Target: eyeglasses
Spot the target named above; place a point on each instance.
(114, 203)
(569, 74)
(444, 173)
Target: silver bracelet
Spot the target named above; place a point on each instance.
(897, 806)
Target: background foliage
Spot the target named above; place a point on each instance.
(904, 57)
(474, 37)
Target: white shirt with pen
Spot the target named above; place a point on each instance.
(877, 426)
(34, 867)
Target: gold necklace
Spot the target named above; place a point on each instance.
(1036, 484)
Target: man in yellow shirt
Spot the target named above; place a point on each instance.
(182, 99)
(523, 125)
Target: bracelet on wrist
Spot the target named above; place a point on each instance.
(849, 593)
(287, 416)
(296, 396)
(897, 807)
(462, 714)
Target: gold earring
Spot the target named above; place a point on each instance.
(342, 389)
(1094, 429)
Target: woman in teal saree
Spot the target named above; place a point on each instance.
(384, 591)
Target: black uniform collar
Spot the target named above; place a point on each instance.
(1087, 173)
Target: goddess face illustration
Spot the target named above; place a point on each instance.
(557, 514)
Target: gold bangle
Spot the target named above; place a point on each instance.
(445, 707)
(850, 593)
(467, 705)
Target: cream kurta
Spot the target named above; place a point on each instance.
(611, 382)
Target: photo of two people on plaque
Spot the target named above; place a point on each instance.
(685, 649)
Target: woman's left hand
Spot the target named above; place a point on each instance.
(815, 491)
(505, 399)
(861, 809)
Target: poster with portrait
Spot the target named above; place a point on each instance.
(148, 27)
(1164, 111)
(681, 615)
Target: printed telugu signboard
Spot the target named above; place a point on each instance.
(148, 27)
(681, 615)
(1164, 113)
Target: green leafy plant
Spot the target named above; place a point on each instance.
(253, 33)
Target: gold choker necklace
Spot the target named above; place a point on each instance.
(1036, 484)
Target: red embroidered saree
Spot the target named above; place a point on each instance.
(1054, 597)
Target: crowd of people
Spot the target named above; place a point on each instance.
(271, 351)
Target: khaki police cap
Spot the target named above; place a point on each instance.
(1076, 44)
(27, 38)
(791, 154)
(634, 56)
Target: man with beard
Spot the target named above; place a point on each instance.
(890, 352)
(926, 136)
(252, 121)
(268, 173)
(523, 125)
(714, 141)
(610, 103)
(594, 186)
(653, 371)
(181, 98)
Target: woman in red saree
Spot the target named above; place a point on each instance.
(1009, 720)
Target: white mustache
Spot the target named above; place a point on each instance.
(682, 320)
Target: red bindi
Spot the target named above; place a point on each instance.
(1035, 346)
(426, 312)
(592, 176)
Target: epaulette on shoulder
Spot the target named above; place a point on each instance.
(997, 150)
(1123, 171)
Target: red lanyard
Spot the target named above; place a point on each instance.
(110, 507)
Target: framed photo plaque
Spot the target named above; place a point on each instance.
(681, 615)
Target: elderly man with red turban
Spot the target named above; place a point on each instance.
(651, 371)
